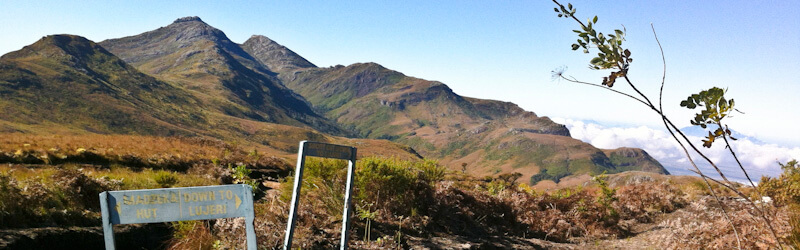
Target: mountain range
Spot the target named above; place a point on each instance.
(188, 79)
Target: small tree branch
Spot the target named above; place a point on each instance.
(704, 177)
(573, 17)
(664, 72)
(728, 145)
(573, 80)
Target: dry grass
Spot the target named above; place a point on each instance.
(192, 235)
(702, 225)
(397, 206)
(55, 180)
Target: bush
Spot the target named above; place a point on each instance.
(166, 179)
(67, 198)
(644, 201)
(785, 191)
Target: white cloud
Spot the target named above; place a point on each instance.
(757, 157)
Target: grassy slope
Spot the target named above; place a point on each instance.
(491, 137)
(50, 81)
(68, 85)
(204, 62)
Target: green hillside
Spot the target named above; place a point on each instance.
(71, 81)
(491, 137)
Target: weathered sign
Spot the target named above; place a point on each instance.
(327, 150)
(319, 149)
(177, 204)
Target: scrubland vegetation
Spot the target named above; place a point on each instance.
(398, 203)
(55, 180)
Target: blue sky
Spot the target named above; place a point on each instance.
(501, 50)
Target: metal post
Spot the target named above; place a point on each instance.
(351, 169)
(249, 218)
(324, 150)
(108, 229)
(298, 177)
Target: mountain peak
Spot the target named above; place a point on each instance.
(183, 34)
(188, 19)
(61, 47)
(275, 56)
(261, 39)
(63, 41)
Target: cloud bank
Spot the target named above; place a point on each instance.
(757, 157)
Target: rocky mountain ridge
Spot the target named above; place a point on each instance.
(490, 137)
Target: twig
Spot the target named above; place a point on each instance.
(603, 87)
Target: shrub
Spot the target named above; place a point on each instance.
(785, 191)
(644, 201)
(166, 179)
(786, 188)
(66, 198)
(13, 207)
(241, 175)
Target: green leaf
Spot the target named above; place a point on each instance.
(596, 60)
(569, 5)
(604, 49)
(595, 19)
(627, 53)
(575, 47)
(556, 9)
(560, 15)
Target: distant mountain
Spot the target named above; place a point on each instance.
(72, 82)
(491, 137)
(703, 132)
(218, 72)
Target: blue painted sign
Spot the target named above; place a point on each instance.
(177, 204)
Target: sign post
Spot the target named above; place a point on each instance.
(325, 150)
(177, 204)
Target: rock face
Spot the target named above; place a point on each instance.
(275, 56)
